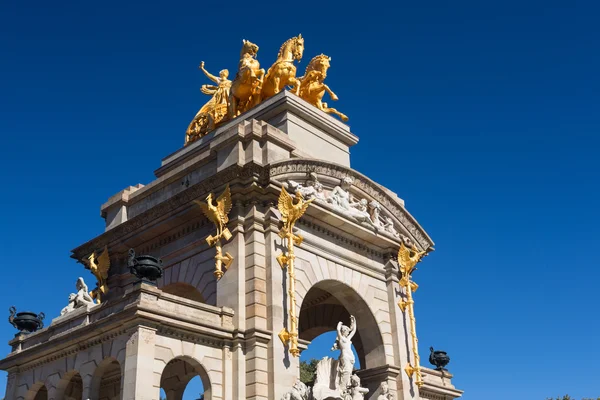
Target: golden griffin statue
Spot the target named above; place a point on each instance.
(99, 264)
(291, 211)
(252, 85)
(218, 215)
(407, 260)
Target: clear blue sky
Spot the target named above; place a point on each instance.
(483, 117)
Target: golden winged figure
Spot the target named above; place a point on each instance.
(406, 261)
(290, 211)
(99, 266)
(217, 213)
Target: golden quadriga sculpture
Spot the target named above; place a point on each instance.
(291, 211)
(218, 214)
(98, 264)
(251, 86)
(407, 260)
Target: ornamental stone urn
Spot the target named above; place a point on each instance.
(439, 358)
(146, 268)
(26, 321)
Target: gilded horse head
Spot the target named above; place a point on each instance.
(245, 88)
(320, 63)
(312, 87)
(283, 72)
(248, 48)
(293, 47)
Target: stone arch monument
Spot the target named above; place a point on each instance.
(145, 335)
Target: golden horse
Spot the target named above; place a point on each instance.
(246, 87)
(283, 72)
(312, 88)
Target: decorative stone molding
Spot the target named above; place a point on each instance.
(282, 168)
(277, 171)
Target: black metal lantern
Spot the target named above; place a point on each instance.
(146, 268)
(26, 321)
(439, 358)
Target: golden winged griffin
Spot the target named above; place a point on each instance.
(99, 264)
(291, 210)
(407, 260)
(218, 215)
(252, 85)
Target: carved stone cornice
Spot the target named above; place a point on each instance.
(150, 216)
(280, 169)
(276, 171)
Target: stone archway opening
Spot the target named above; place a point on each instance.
(37, 392)
(178, 373)
(106, 383)
(70, 386)
(330, 301)
(327, 303)
(184, 290)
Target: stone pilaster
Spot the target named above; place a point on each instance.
(283, 367)
(400, 336)
(138, 378)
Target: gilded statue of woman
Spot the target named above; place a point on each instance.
(219, 93)
(215, 110)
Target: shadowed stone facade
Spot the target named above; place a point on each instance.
(143, 338)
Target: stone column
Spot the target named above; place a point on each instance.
(400, 336)
(257, 335)
(138, 379)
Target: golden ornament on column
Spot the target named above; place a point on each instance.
(407, 259)
(99, 264)
(217, 213)
(291, 211)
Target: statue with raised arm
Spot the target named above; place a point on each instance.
(343, 343)
(220, 93)
(215, 110)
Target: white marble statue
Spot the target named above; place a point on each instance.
(299, 392)
(388, 226)
(334, 379)
(355, 392)
(80, 299)
(341, 199)
(359, 211)
(343, 343)
(385, 392)
(312, 189)
(375, 213)
(340, 196)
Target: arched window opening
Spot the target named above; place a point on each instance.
(70, 387)
(109, 384)
(74, 390)
(185, 379)
(42, 394)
